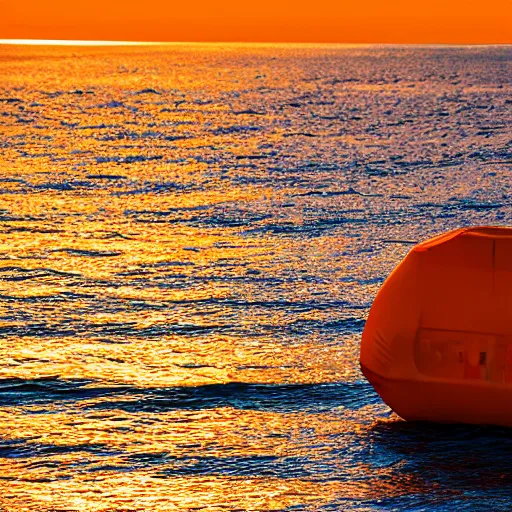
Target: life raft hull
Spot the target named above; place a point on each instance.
(437, 345)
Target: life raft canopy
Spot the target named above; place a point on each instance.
(438, 340)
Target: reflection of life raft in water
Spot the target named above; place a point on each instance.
(438, 341)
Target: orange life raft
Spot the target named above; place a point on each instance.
(437, 344)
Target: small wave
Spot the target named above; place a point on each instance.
(270, 466)
(112, 104)
(238, 395)
(248, 111)
(123, 329)
(261, 156)
(29, 448)
(106, 177)
(16, 391)
(11, 100)
(63, 186)
(349, 191)
(23, 274)
(228, 130)
(148, 90)
(159, 188)
(101, 126)
(25, 229)
(315, 227)
(300, 134)
(88, 253)
(130, 159)
(51, 299)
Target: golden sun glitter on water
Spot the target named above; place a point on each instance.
(190, 240)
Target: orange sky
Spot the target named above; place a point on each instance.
(343, 21)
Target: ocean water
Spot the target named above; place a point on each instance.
(191, 237)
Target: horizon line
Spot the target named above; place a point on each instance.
(91, 42)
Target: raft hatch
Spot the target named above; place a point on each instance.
(464, 355)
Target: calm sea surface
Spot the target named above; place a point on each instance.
(191, 238)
